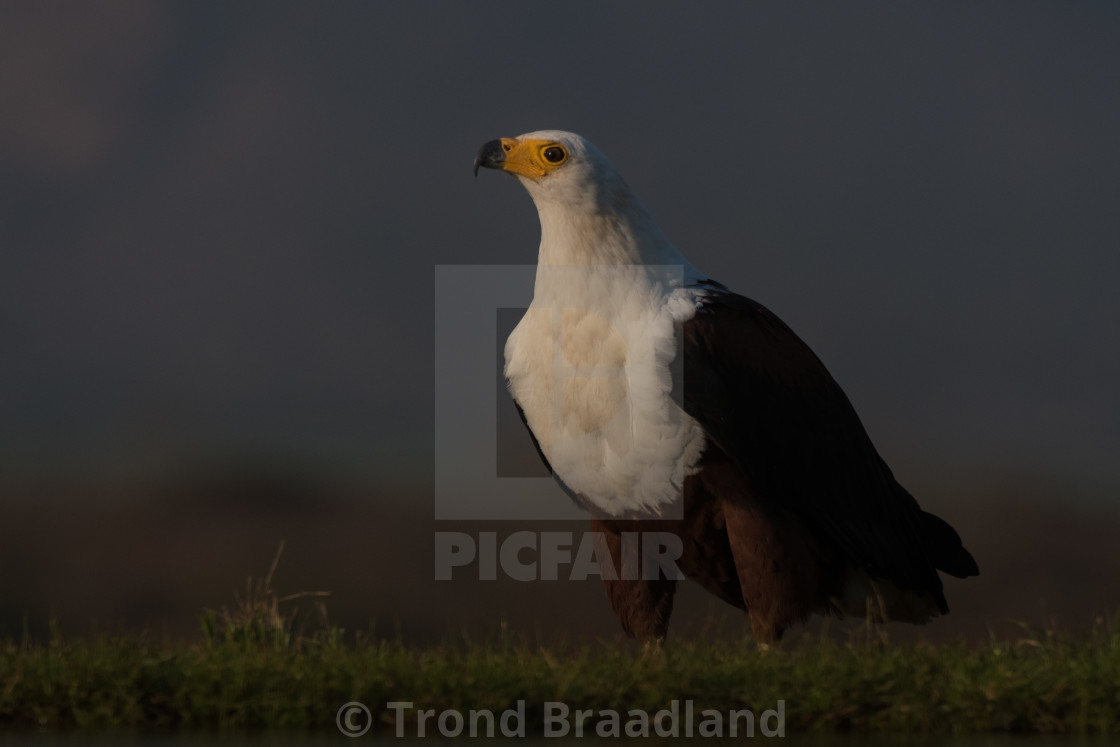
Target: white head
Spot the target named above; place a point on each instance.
(558, 168)
(588, 214)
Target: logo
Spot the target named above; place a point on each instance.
(353, 719)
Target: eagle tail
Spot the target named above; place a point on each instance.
(945, 549)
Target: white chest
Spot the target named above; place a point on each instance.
(593, 371)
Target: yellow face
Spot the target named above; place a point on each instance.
(532, 158)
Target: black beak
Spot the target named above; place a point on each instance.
(490, 156)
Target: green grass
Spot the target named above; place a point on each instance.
(253, 667)
(241, 679)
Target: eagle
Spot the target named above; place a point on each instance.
(664, 402)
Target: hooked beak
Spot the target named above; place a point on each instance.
(490, 156)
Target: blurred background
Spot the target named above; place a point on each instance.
(220, 223)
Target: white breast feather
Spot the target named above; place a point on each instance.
(592, 373)
(590, 362)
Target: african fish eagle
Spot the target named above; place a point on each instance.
(662, 401)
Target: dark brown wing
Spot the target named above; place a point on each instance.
(771, 406)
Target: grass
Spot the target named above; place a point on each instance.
(258, 667)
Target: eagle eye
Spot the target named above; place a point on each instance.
(554, 154)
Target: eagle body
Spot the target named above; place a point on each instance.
(664, 402)
(591, 372)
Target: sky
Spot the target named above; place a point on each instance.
(221, 223)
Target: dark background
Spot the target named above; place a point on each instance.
(220, 222)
